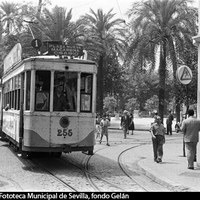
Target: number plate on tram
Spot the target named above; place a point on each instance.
(64, 132)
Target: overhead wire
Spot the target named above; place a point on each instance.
(120, 11)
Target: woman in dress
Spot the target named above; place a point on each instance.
(131, 126)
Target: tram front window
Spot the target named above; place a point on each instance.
(65, 91)
(42, 90)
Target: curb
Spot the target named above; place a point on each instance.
(172, 186)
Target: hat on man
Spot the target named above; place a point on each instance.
(125, 111)
(158, 117)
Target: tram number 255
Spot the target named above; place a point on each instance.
(64, 132)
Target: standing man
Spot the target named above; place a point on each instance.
(170, 118)
(125, 122)
(190, 128)
(158, 139)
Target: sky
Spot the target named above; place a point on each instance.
(81, 7)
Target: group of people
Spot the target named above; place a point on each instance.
(190, 128)
(127, 123)
(102, 124)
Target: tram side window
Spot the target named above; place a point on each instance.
(65, 91)
(86, 92)
(42, 90)
(6, 96)
(17, 83)
(12, 93)
(28, 89)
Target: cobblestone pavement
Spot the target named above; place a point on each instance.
(19, 174)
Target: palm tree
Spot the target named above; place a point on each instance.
(10, 17)
(162, 24)
(102, 38)
(56, 25)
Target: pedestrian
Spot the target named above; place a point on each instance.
(169, 120)
(108, 116)
(98, 128)
(190, 128)
(125, 122)
(104, 124)
(155, 116)
(158, 139)
(132, 125)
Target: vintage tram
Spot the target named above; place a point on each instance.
(48, 103)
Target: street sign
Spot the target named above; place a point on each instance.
(184, 74)
(65, 50)
(36, 43)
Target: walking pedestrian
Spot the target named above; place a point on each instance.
(154, 116)
(125, 122)
(170, 118)
(158, 139)
(104, 124)
(190, 128)
(132, 125)
(98, 128)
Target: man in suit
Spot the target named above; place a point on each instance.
(190, 128)
(125, 122)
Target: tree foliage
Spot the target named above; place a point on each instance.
(157, 29)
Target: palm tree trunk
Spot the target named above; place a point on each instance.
(174, 65)
(162, 76)
(100, 88)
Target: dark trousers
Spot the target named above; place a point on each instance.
(169, 129)
(158, 147)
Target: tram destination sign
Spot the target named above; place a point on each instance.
(65, 50)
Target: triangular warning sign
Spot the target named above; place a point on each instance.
(185, 75)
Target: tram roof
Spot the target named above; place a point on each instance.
(58, 59)
(48, 58)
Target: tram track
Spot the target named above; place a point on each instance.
(137, 176)
(96, 182)
(101, 184)
(107, 186)
(34, 163)
(81, 173)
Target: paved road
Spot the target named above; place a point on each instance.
(111, 168)
(17, 174)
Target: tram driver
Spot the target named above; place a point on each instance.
(59, 101)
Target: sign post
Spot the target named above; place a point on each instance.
(184, 75)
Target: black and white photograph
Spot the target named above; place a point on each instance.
(99, 99)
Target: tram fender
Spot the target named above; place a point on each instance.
(88, 140)
(32, 138)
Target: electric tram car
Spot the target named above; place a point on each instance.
(48, 103)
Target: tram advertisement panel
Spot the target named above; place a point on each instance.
(11, 125)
